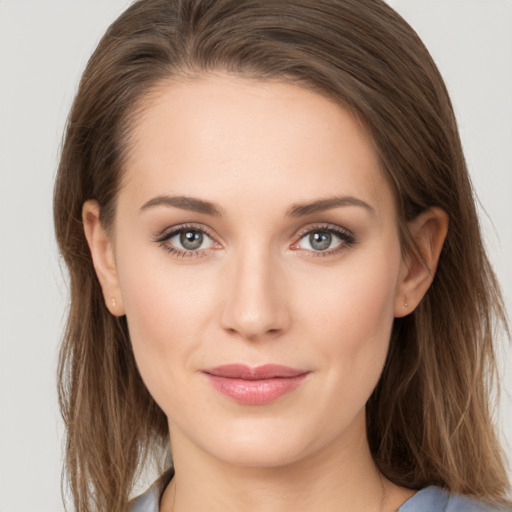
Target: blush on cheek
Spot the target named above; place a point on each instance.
(164, 311)
(359, 317)
(153, 352)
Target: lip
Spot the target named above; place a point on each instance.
(258, 385)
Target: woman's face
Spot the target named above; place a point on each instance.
(254, 228)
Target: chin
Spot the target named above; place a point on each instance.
(265, 442)
(261, 453)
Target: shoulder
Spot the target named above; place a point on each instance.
(435, 499)
(150, 500)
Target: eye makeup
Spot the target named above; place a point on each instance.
(193, 240)
(324, 240)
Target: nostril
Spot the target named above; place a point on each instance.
(254, 308)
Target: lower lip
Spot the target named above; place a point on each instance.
(256, 392)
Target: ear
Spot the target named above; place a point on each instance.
(429, 231)
(102, 252)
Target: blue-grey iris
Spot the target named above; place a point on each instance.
(191, 240)
(320, 240)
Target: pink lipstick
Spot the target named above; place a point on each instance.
(255, 385)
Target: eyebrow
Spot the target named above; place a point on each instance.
(299, 210)
(185, 203)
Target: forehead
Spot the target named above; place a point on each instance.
(223, 136)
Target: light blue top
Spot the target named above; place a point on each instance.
(430, 499)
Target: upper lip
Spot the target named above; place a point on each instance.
(242, 371)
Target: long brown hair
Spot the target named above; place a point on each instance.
(428, 420)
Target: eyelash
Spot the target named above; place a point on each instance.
(167, 235)
(345, 237)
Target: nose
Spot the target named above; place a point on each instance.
(255, 306)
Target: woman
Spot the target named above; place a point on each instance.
(275, 263)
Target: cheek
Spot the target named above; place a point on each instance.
(161, 297)
(356, 299)
(351, 317)
(166, 311)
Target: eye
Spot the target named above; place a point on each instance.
(191, 240)
(327, 240)
(185, 241)
(320, 240)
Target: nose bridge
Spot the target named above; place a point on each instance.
(255, 305)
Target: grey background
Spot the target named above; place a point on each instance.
(43, 49)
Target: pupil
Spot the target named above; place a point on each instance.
(321, 240)
(191, 240)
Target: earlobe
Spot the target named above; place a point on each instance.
(102, 253)
(429, 231)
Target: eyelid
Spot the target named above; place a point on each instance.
(324, 226)
(168, 233)
(346, 237)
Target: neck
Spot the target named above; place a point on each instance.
(340, 476)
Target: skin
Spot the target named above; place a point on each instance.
(257, 291)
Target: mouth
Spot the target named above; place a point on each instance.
(258, 385)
